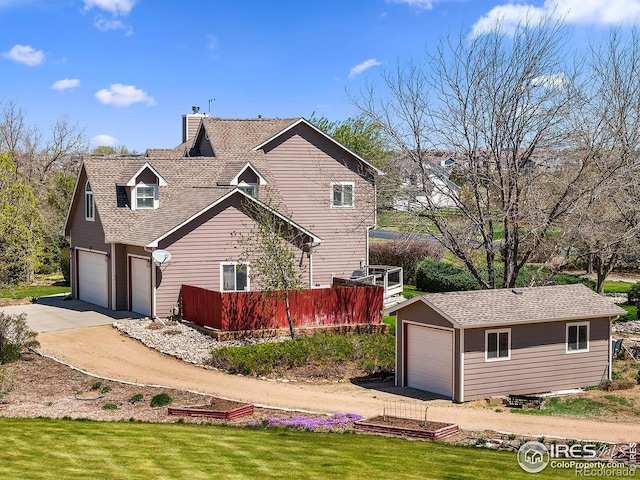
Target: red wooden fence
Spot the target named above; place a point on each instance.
(229, 311)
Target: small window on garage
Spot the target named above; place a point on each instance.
(497, 344)
(89, 206)
(577, 337)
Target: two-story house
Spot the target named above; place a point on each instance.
(188, 201)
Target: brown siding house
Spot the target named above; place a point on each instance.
(189, 200)
(478, 344)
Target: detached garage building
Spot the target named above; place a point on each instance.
(483, 343)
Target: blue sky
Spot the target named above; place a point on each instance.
(128, 69)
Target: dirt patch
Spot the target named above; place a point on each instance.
(8, 302)
(46, 388)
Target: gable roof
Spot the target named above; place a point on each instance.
(484, 308)
(328, 137)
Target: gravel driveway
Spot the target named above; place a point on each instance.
(103, 351)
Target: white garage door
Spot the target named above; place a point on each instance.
(429, 359)
(140, 285)
(92, 278)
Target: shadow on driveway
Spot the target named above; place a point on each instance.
(389, 387)
(54, 313)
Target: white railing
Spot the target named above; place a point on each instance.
(386, 276)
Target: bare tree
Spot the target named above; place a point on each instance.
(274, 251)
(34, 155)
(500, 103)
(608, 132)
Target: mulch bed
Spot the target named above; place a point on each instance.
(407, 427)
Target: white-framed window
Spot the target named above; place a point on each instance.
(145, 196)
(342, 194)
(234, 276)
(498, 345)
(89, 205)
(577, 337)
(249, 189)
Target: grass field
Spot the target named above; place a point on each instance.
(40, 449)
(33, 291)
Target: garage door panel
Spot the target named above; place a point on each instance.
(93, 278)
(429, 361)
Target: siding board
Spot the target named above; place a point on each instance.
(538, 363)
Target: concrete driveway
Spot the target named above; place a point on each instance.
(54, 313)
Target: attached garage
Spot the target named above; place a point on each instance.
(140, 285)
(93, 278)
(484, 343)
(429, 359)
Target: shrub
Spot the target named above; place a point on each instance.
(633, 294)
(7, 382)
(161, 400)
(15, 335)
(110, 406)
(136, 398)
(65, 264)
(105, 389)
(435, 276)
(612, 385)
(372, 353)
(404, 253)
(96, 385)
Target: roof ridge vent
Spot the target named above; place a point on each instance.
(517, 291)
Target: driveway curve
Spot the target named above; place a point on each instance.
(103, 351)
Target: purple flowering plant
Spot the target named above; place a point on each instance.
(302, 422)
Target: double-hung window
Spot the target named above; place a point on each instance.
(89, 206)
(235, 277)
(498, 344)
(342, 194)
(145, 196)
(577, 337)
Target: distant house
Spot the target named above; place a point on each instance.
(190, 199)
(477, 344)
(417, 193)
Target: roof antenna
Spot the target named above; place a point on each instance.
(211, 100)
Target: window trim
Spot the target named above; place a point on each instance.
(342, 205)
(154, 187)
(89, 200)
(235, 277)
(497, 331)
(577, 325)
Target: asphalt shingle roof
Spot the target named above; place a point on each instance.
(478, 308)
(193, 181)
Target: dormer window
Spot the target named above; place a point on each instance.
(145, 197)
(89, 206)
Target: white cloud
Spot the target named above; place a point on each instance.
(576, 12)
(553, 81)
(120, 95)
(67, 83)
(116, 7)
(358, 69)
(25, 54)
(423, 4)
(104, 25)
(104, 140)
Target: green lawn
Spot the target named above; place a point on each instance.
(40, 449)
(632, 312)
(391, 321)
(34, 291)
(409, 291)
(611, 286)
